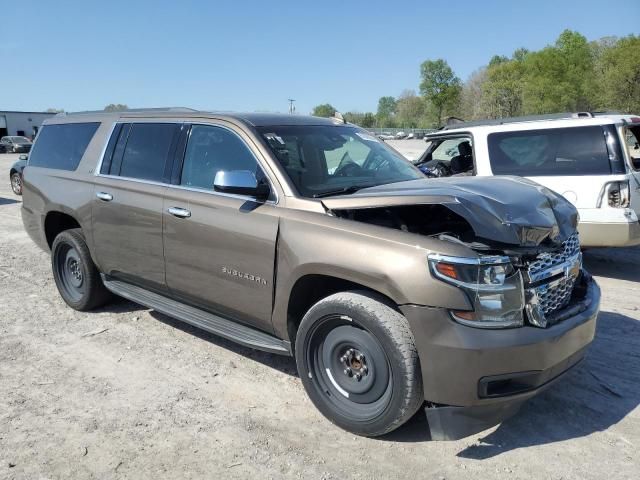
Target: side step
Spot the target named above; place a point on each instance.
(247, 336)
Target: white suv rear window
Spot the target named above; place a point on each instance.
(550, 152)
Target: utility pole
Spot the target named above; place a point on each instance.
(292, 107)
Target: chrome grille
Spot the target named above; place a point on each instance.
(551, 278)
(570, 248)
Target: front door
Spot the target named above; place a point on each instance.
(219, 249)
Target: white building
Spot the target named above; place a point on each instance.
(25, 124)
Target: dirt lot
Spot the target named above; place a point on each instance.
(125, 392)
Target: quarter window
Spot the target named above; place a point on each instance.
(213, 149)
(62, 146)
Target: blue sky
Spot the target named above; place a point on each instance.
(253, 55)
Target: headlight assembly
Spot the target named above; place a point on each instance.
(494, 287)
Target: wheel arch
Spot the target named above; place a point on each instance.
(55, 222)
(308, 289)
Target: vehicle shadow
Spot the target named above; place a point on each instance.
(618, 263)
(281, 363)
(596, 395)
(7, 201)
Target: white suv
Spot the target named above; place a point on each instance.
(593, 160)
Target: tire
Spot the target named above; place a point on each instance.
(74, 272)
(16, 183)
(359, 331)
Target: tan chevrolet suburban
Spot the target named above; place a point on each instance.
(309, 237)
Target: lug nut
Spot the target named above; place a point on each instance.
(358, 376)
(347, 371)
(364, 369)
(359, 357)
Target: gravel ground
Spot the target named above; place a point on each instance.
(125, 392)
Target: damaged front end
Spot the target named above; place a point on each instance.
(526, 237)
(525, 271)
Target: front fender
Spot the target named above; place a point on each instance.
(387, 261)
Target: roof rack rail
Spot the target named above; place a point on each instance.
(134, 110)
(527, 118)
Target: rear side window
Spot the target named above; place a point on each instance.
(62, 146)
(140, 150)
(550, 152)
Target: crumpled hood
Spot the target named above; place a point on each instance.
(510, 210)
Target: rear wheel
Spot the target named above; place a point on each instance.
(16, 183)
(358, 363)
(74, 272)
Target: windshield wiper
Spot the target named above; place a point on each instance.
(345, 190)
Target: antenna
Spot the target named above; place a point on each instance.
(292, 107)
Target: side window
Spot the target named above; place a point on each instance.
(210, 150)
(550, 152)
(145, 151)
(449, 149)
(62, 146)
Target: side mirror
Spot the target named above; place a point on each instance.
(241, 182)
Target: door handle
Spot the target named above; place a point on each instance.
(179, 212)
(104, 196)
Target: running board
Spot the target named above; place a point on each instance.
(247, 336)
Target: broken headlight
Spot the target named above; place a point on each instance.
(494, 287)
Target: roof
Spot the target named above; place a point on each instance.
(568, 116)
(26, 113)
(252, 119)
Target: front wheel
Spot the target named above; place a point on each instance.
(16, 183)
(74, 272)
(358, 362)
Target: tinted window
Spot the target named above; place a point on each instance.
(146, 151)
(210, 150)
(557, 151)
(62, 146)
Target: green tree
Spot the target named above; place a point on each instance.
(385, 116)
(386, 107)
(440, 87)
(472, 105)
(410, 110)
(618, 78)
(368, 120)
(324, 110)
(502, 90)
(116, 107)
(559, 77)
(54, 110)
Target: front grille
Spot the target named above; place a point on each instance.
(550, 281)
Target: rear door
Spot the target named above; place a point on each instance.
(219, 248)
(127, 207)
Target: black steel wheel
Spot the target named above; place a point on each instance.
(357, 360)
(74, 272)
(16, 183)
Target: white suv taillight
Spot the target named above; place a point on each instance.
(618, 194)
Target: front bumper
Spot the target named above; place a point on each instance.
(474, 379)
